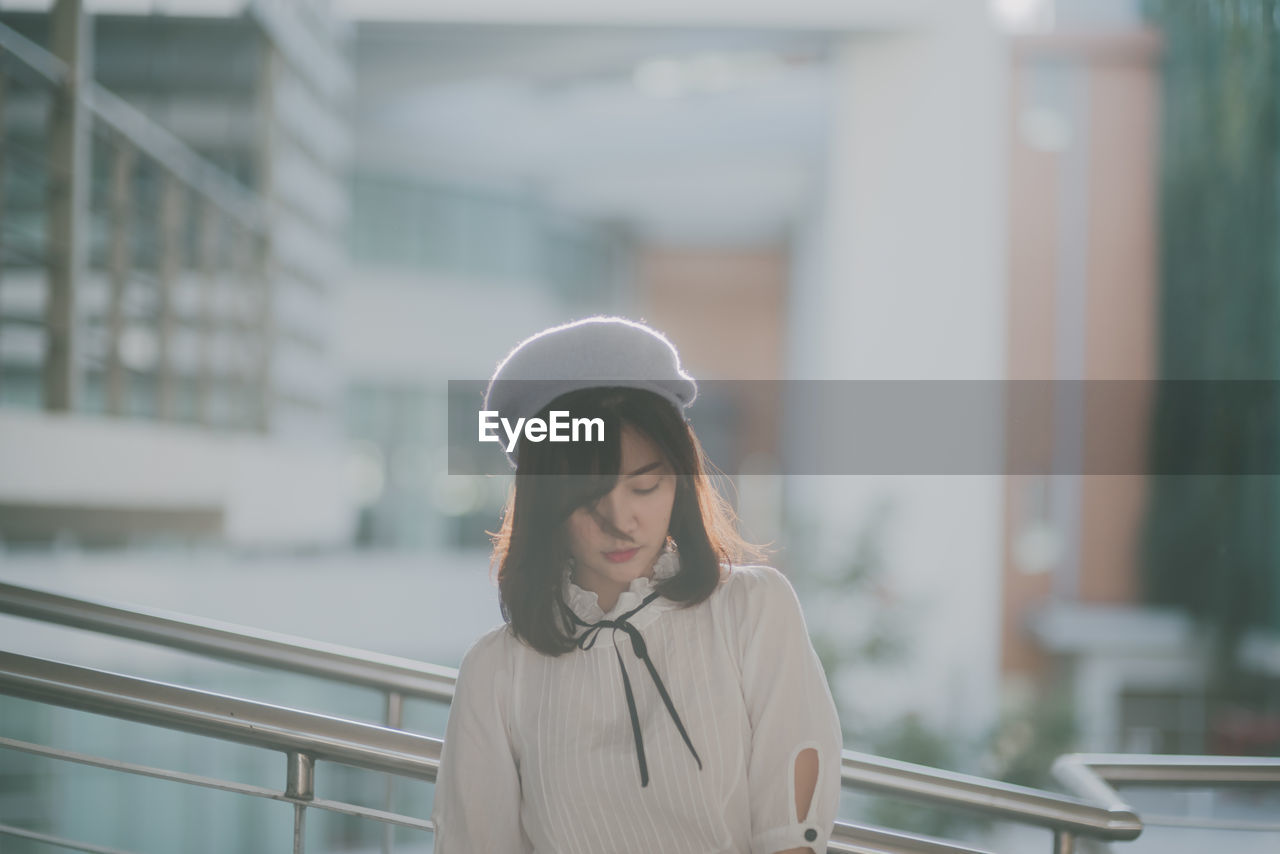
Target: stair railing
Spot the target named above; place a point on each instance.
(1067, 818)
(304, 738)
(112, 274)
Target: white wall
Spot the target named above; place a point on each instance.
(902, 277)
(415, 328)
(271, 492)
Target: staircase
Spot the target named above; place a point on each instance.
(312, 746)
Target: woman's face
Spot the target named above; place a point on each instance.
(620, 538)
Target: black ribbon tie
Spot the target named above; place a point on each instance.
(587, 639)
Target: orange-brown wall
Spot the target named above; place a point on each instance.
(724, 309)
(1121, 80)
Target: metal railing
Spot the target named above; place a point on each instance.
(1091, 775)
(140, 132)
(1066, 817)
(302, 737)
(396, 678)
(150, 277)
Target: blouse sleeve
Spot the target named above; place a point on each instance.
(791, 709)
(477, 794)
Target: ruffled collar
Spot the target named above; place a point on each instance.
(586, 604)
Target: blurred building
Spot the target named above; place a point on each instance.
(177, 377)
(298, 227)
(509, 178)
(1083, 306)
(273, 230)
(1086, 616)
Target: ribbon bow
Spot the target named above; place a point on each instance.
(587, 639)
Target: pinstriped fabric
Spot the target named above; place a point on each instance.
(578, 784)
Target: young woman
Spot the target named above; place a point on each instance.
(646, 693)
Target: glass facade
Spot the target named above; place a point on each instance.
(481, 238)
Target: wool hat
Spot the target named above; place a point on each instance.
(587, 353)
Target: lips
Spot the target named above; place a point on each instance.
(621, 557)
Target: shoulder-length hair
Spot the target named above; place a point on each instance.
(552, 480)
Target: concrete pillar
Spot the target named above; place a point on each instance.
(900, 275)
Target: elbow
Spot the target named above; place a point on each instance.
(806, 782)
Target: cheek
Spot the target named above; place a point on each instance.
(664, 502)
(578, 529)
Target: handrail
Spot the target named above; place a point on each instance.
(1174, 769)
(174, 154)
(1091, 774)
(224, 717)
(227, 641)
(141, 132)
(853, 838)
(31, 55)
(1112, 819)
(306, 736)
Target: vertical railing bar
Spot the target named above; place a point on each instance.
(394, 719)
(242, 325)
(4, 91)
(265, 327)
(300, 775)
(209, 223)
(1064, 842)
(299, 829)
(170, 263)
(69, 164)
(121, 263)
(300, 783)
(264, 250)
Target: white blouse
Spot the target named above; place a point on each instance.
(540, 754)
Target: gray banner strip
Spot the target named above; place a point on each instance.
(814, 427)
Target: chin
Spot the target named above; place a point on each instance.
(629, 573)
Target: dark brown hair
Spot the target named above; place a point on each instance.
(554, 479)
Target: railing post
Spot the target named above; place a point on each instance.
(299, 829)
(300, 783)
(4, 88)
(68, 201)
(172, 211)
(264, 267)
(394, 720)
(209, 234)
(120, 259)
(1064, 842)
(300, 776)
(262, 331)
(240, 388)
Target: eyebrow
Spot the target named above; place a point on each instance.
(650, 467)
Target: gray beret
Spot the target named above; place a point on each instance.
(594, 351)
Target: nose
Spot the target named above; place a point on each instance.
(617, 514)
